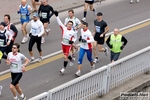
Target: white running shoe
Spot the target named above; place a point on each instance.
(24, 98)
(1, 87)
(32, 59)
(83, 19)
(43, 40)
(106, 52)
(96, 60)
(99, 3)
(132, 1)
(72, 61)
(62, 70)
(78, 73)
(137, 1)
(40, 59)
(47, 31)
(93, 67)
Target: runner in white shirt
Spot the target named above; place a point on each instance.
(86, 40)
(76, 25)
(36, 32)
(17, 62)
(68, 38)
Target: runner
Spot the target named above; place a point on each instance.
(5, 39)
(90, 4)
(86, 40)
(68, 38)
(37, 29)
(34, 3)
(76, 25)
(116, 43)
(100, 29)
(24, 11)
(17, 67)
(12, 29)
(45, 11)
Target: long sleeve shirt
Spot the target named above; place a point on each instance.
(67, 34)
(86, 35)
(37, 28)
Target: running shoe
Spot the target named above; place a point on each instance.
(96, 60)
(62, 70)
(137, 1)
(99, 3)
(78, 73)
(93, 67)
(24, 40)
(106, 51)
(43, 40)
(83, 20)
(32, 59)
(72, 61)
(40, 59)
(132, 1)
(24, 98)
(47, 31)
(1, 87)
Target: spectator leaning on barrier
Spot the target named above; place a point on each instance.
(24, 11)
(68, 38)
(86, 39)
(36, 32)
(100, 29)
(12, 29)
(116, 43)
(17, 62)
(45, 12)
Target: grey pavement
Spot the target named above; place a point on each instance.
(117, 13)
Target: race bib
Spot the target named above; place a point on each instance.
(1, 42)
(44, 15)
(65, 40)
(33, 31)
(14, 66)
(98, 29)
(23, 16)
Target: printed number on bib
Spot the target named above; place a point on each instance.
(14, 66)
(33, 31)
(1, 42)
(44, 15)
(98, 29)
(65, 40)
(23, 16)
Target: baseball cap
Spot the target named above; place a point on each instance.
(35, 14)
(99, 14)
(3, 23)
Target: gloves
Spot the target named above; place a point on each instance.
(56, 13)
(71, 42)
(18, 12)
(80, 38)
(28, 14)
(30, 35)
(39, 35)
(121, 47)
(83, 40)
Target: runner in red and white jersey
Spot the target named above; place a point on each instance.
(68, 38)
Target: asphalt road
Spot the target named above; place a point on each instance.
(44, 76)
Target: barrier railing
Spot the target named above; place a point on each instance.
(100, 81)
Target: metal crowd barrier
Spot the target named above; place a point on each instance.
(102, 80)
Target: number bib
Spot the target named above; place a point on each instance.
(65, 40)
(44, 15)
(1, 42)
(33, 31)
(14, 66)
(23, 16)
(98, 29)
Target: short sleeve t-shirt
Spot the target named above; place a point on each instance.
(100, 26)
(16, 62)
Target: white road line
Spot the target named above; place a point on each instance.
(60, 51)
